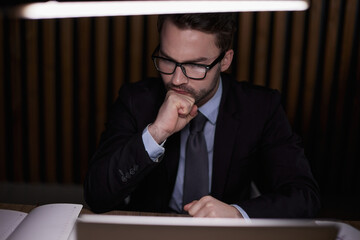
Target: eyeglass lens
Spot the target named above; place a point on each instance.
(190, 70)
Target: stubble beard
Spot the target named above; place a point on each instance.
(203, 95)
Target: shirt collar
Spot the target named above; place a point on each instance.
(211, 108)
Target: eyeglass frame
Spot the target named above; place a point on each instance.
(177, 64)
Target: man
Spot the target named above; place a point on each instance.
(141, 162)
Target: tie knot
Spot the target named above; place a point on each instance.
(198, 123)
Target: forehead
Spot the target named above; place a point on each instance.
(186, 44)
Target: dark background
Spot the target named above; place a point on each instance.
(58, 79)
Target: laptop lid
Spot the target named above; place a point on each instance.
(186, 228)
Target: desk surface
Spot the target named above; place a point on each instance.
(28, 208)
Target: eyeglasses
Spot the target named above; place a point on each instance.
(193, 71)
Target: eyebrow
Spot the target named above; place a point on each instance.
(197, 60)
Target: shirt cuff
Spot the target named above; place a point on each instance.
(242, 212)
(154, 150)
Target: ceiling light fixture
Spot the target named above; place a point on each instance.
(55, 9)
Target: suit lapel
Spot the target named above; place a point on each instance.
(226, 127)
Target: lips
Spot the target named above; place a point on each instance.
(180, 91)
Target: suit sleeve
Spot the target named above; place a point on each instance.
(284, 178)
(121, 161)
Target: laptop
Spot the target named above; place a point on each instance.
(109, 227)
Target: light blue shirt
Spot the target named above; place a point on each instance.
(210, 110)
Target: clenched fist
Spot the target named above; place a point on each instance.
(176, 111)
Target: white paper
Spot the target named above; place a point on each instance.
(9, 220)
(47, 222)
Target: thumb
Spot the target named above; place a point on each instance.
(193, 113)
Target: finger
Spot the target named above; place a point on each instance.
(195, 208)
(186, 107)
(192, 114)
(194, 111)
(189, 115)
(204, 207)
(189, 205)
(198, 212)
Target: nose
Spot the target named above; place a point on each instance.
(179, 77)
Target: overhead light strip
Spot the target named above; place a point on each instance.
(54, 9)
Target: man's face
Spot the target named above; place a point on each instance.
(190, 46)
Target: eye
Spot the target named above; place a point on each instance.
(165, 63)
(194, 67)
(197, 71)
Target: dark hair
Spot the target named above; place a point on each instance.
(221, 24)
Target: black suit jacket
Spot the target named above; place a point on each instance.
(253, 142)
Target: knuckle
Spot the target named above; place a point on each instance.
(207, 198)
(209, 205)
(212, 214)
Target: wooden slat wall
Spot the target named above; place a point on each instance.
(32, 75)
(58, 79)
(3, 158)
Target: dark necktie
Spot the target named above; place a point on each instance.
(196, 178)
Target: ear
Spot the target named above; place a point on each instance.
(226, 61)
